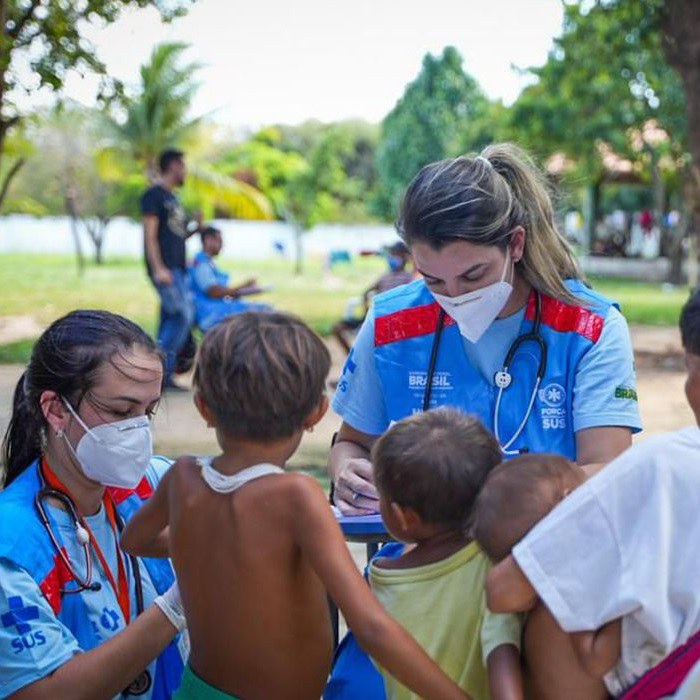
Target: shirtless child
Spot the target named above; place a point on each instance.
(256, 549)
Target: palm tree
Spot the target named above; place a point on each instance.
(157, 117)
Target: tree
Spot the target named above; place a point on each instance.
(680, 24)
(605, 78)
(618, 68)
(312, 173)
(431, 121)
(261, 162)
(49, 37)
(156, 116)
(71, 172)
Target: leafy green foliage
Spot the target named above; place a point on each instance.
(157, 116)
(604, 79)
(434, 119)
(47, 40)
(311, 173)
(50, 36)
(261, 162)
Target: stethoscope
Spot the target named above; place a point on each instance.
(143, 681)
(503, 378)
(83, 537)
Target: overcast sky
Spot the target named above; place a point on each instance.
(285, 61)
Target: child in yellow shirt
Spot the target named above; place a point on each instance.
(428, 471)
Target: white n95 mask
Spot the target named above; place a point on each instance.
(114, 454)
(475, 311)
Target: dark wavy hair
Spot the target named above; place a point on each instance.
(66, 359)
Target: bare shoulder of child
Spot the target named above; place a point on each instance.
(250, 596)
(255, 549)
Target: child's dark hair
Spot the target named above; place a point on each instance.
(261, 374)
(690, 323)
(517, 494)
(66, 359)
(435, 464)
(209, 232)
(168, 156)
(398, 248)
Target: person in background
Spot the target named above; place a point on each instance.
(398, 258)
(214, 299)
(165, 231)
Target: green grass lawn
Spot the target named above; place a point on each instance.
(644, 302)
(46, 287)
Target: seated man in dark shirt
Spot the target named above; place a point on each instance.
(214, 298)
(165, 232)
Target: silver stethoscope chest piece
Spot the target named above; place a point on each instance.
(81, 534)
(503, 378)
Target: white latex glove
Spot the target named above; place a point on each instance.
(170, 604)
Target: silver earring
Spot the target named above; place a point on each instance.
(59, 433)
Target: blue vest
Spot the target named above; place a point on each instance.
(405, 326)
(25, 542)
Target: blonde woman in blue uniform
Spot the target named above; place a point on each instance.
(501, 325)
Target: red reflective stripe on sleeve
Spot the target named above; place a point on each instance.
(407, 323)
(567, 318)
(56, 579)
(144, 491)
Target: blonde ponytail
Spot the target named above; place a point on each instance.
(547, 259)
(482, 199)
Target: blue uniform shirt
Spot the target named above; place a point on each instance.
(359, 399)
(33, 641)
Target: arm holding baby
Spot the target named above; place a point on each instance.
(536, 483)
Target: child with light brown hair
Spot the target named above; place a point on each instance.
(256, 549)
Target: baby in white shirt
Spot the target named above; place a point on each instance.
(615, 562)
(515, 497)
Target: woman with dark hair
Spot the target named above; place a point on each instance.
(77, 615)
(501, 325)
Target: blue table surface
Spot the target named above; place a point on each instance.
(362, 524)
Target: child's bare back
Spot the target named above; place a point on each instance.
(255, 550)
(257, 614)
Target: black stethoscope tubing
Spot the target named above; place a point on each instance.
(83, 584)
(503, 377)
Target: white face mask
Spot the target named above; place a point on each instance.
(475, 311)
(114, 454)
